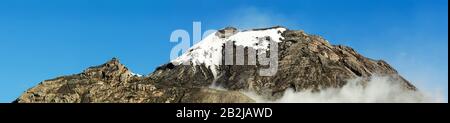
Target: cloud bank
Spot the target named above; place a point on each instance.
(378, 90)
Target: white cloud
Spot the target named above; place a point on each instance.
(378, 90)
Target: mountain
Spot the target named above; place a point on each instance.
(266, 62)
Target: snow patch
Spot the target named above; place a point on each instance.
(209, 50)
(135, 74)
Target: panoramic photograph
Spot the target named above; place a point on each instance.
(240, 53)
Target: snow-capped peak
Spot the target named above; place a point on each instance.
(209, 50)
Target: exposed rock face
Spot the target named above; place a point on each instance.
(226, 32)
(113, 82)
(304, 62)
(307, 62)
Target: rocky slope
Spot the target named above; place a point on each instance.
(304, 62)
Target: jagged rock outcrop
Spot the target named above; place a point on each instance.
(113, 82)
(304, 62)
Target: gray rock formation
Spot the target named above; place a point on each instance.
(305, 62)
(113, 82)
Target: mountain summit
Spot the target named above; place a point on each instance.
(205, 73)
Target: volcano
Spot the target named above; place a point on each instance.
(205, 74)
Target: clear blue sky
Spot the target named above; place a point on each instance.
(43, 39)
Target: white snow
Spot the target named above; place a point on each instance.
(379, 89)
(251, 38)
(209, 50)
(135, 74)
